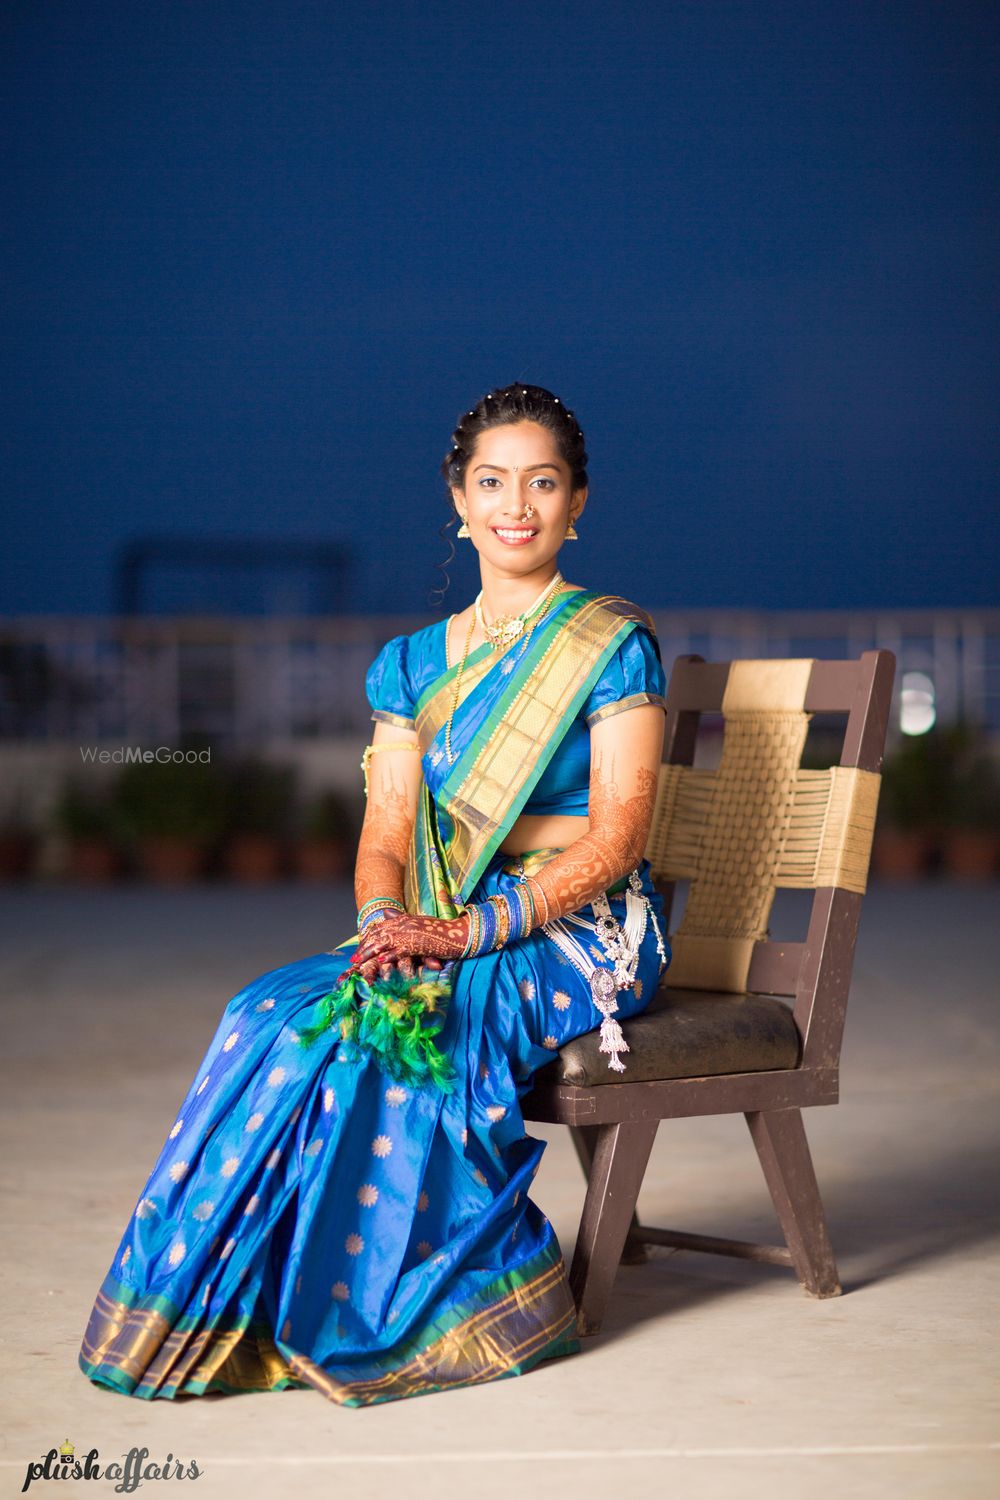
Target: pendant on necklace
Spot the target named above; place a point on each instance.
(504, 630)
(507, 628)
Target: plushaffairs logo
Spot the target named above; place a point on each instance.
(62, 1463)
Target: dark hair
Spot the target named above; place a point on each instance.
(499, 408)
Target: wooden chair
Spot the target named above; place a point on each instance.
(720, 1036)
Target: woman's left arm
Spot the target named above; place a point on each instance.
(625, 752)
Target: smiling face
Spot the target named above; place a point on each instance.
(515, 466)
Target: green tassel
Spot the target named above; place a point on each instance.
(395, 1019)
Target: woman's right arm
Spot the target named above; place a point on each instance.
(394, 778)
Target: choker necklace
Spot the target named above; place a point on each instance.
(507, 628)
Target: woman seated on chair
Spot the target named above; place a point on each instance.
(343, 1201)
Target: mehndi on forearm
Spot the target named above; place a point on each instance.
(383, 847)
(574, 877)
(611, 847)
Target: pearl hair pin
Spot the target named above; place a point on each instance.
(524, 391)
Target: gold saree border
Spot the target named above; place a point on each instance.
(486, 1345)
(633, 700)
(386, 716)
(435, 711)
(473, 1352)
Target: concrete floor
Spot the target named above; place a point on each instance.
(711, 1378)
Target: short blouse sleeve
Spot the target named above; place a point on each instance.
(634, 675)
(387, 684)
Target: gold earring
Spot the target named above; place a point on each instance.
(463, 530)
(571, 535)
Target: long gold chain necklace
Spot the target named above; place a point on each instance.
(455, 690)
(539, 603)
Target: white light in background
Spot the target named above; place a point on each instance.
(916, 703)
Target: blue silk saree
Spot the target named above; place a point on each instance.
(318, 1216)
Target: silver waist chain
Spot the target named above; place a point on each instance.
(621, 943)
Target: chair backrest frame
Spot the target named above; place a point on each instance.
(817, 971)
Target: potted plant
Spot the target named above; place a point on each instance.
(261, 795)
(912, 801)
(172, 812)
(83, 814)
(970, 840)
(326, 845)
(18, 841)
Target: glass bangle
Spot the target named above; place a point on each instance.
(522, 894)
(375, 910)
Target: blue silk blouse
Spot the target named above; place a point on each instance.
(407, 665)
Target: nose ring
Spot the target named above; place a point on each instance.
(528, 513)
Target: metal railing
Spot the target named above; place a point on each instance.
(237, 682)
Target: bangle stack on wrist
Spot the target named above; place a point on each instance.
(375, 910)
(524, 900)
(499, 920)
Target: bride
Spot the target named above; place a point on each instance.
(343, 1200)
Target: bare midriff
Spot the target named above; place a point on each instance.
(544, 831)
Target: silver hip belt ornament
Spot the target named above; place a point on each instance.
(621, 944)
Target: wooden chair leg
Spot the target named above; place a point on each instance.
(621, 1152)
(584, 1139)
(780, 1139)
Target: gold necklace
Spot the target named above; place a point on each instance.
(507, 628)
(461, 665)
(457, 687)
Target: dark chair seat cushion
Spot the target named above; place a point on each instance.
(687, 1034)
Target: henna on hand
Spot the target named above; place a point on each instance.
(372, 968)
(406, 963)
(407, 936)
(409, 966)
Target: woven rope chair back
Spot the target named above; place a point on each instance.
(755, 823)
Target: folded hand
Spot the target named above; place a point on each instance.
(407, 941)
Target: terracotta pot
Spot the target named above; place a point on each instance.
(970, 853)
(317, 860)
(901, 854)
(254, 858)
(16, 851)
(171, 861)
(92, 861)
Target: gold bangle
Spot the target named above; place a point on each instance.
(503, 920)
(370, 750)
(530, 880)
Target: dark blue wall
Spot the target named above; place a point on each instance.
(260, 256)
